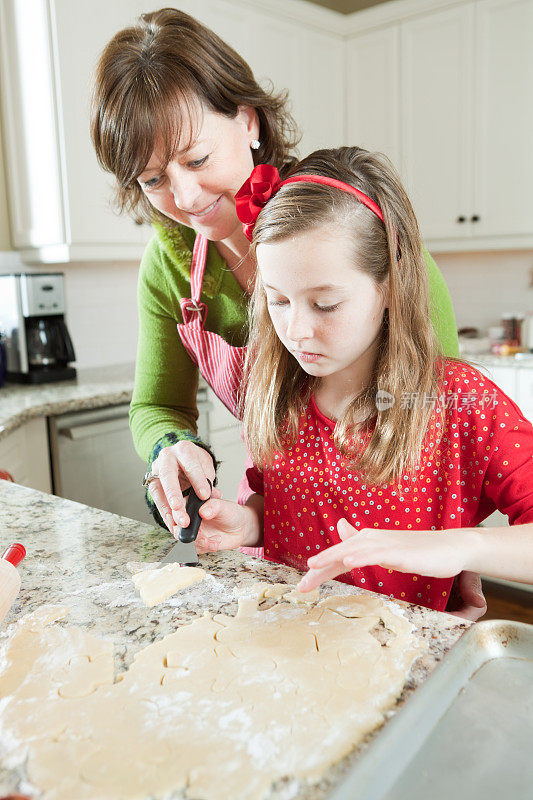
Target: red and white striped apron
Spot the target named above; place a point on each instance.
(219, 363)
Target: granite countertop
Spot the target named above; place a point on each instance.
(520, 360)
(92, 388)
(77, 556)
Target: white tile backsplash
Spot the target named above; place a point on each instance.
(101, 303)
(483, 286)
(101, 299)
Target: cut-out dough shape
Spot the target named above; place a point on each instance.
(155, 585)
(302, 597)
(223, 707)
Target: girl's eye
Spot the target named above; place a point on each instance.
(328, 308)
(276, 303)
(198, 163)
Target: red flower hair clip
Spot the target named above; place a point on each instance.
(264, 182)
(254, 194)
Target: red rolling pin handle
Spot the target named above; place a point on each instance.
(14, 554)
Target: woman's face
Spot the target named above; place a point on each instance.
(199, 184)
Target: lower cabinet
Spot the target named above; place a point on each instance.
(228, 447)
(24, 453)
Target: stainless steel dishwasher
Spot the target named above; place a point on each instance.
(94, 461)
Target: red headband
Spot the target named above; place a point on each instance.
(264, 182)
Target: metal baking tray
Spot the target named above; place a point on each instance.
(466, 732)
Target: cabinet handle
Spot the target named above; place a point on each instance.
(475, 218)
(461, 219)
(88, 430)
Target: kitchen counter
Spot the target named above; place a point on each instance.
(77, 557)
(93, 388)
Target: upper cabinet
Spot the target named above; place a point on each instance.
(444, 88)
(503, 144)
(373, 91)
(464, 98)
(60, 199)
(436, 120)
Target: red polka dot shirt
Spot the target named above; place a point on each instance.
(482, 462)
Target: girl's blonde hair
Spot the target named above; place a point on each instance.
(152, 75)
(278, 389)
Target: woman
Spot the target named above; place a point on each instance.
(180, 121)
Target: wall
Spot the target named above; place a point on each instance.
(483, 286)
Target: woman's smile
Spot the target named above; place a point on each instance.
(206, 211)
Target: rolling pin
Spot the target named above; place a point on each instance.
(9, 577)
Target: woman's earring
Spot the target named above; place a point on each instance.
(255, 144)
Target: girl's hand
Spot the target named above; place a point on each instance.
(441, 554)
(177, 467)
(466, 597)
(225, 525)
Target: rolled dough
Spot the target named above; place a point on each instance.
(155, 585)
(222, 708)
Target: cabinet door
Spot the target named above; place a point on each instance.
(373, 92)
(293, 56)
(504, 118)
(229, 449)
(93, 224)
(24, 454)
(437, 69)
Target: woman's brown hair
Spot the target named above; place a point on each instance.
(278, 389)
(160, 68)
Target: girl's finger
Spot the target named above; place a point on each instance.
(210, 509)
(345, 530)
(316, 577)
(335, 553)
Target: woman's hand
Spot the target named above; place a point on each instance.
(441, 554)
(227, 525)
(177, 467)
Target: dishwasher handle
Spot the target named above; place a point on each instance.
(88, 430)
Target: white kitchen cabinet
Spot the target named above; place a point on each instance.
(24, 454)
(503, 152)
(227, 445)
(60, 199)
(465, 114)
(467, 124)
(373, 91)
(436, 120)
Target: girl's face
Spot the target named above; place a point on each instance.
(199, 184)
(325, 311)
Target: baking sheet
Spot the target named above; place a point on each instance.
(467, 732)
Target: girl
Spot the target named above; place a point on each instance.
(375, 456)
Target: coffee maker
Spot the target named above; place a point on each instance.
(36, 341)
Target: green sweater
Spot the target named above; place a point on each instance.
(163, 407)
